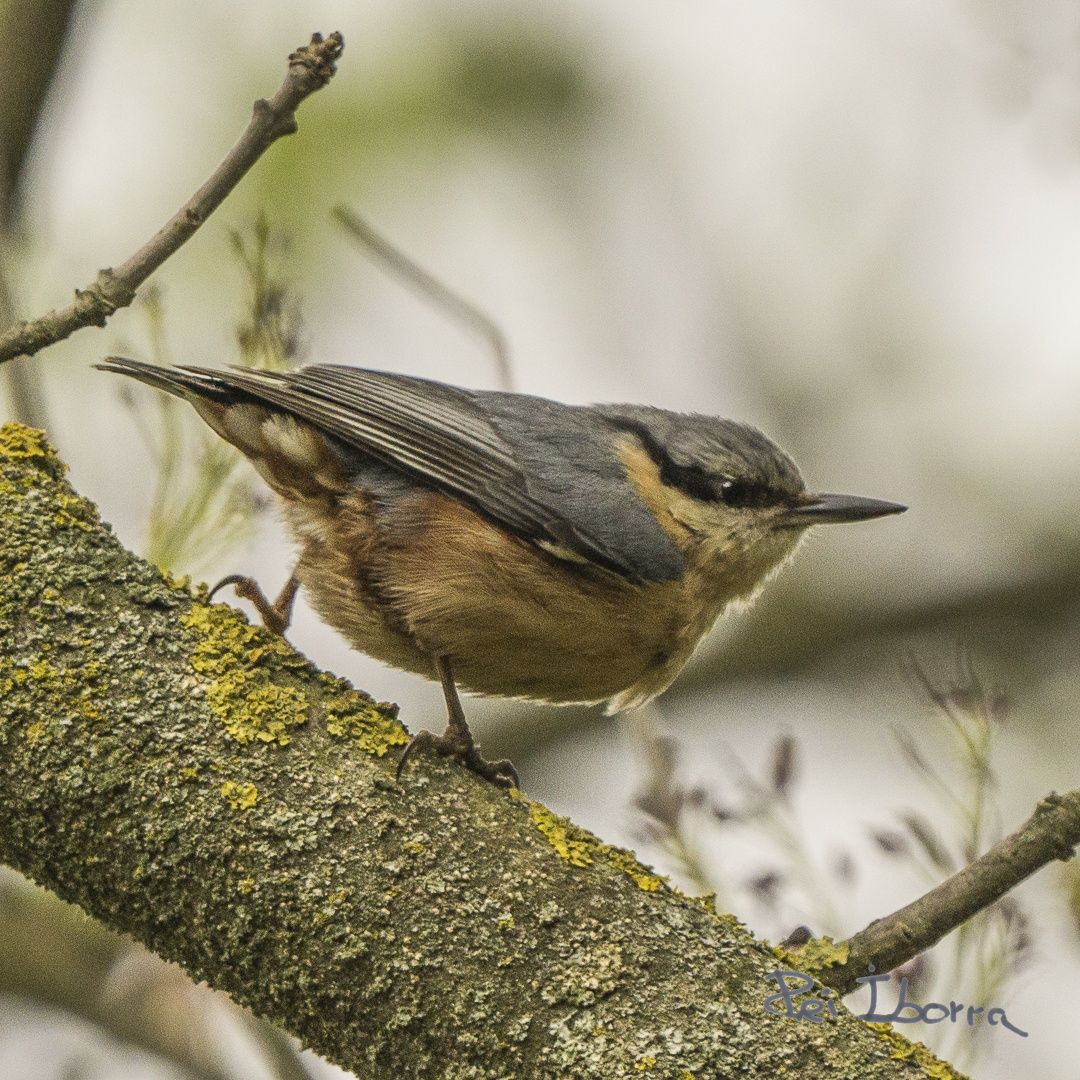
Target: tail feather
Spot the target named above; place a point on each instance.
(183, 382)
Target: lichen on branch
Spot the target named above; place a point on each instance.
(192, 781)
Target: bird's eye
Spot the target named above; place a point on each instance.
(742, 493)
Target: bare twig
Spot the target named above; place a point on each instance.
(310, 68)
(431, 287)
(1052, 832)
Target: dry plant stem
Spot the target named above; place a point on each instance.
(429, 286)
(192, 781)
(310, 68)
(1052, 832)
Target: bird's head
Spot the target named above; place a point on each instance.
(730, 497)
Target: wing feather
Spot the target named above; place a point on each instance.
(525, 462)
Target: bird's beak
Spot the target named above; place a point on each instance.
(826, 509)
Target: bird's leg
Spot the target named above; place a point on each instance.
(457, 740)
(276, 616)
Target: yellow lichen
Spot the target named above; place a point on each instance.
(348, 717)
(19, 441)
(817, 955)
(580, 848)
(239, 662)
(626, 862)
(74, 512)
(645, 1064)
(571, 842)
(905, 1050)
(245, 885)
(240, 796)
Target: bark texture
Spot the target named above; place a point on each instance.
(192, 781)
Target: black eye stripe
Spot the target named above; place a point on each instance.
(697, 482)
(747, 493)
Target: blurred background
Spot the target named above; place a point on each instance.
(856, 225)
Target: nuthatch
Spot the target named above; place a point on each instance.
(508, 544)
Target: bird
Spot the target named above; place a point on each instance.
(506, 544)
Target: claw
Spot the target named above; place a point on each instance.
(276, 616)
(465, 752)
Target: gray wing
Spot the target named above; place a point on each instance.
(546, 471)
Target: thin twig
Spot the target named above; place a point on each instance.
(1052, 832)
(310, 68)
(430, 286)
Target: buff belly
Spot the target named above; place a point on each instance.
(430, 577)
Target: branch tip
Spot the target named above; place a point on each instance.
(310, 68)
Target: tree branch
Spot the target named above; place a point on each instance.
(1052, 832)
(191, 781)
(310, 68)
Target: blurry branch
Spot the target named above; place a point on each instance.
(432, 289)
(796, 627)
(53, 956)
(310, 68)
(1052, 832)
(23, 384)
(32, 35)
(192, 781)
(269, 337)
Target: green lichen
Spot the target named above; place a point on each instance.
(240, 796)
(241, 665)
(348, 716)
(74, 691)
(74, 513)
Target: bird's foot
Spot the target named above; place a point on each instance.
(457, 742)
(276, 615)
